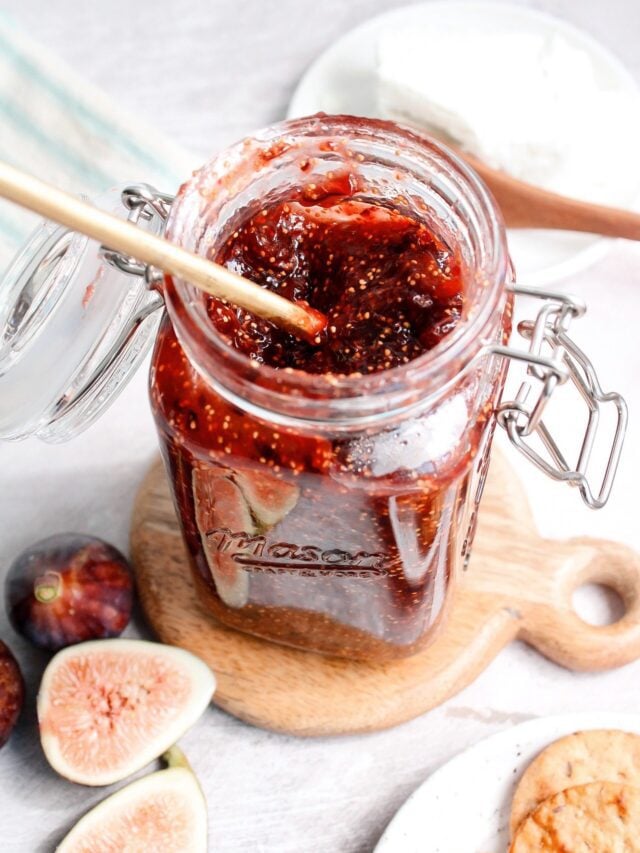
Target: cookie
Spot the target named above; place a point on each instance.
(602, 755)
(601, 817)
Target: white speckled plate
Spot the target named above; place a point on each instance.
(464, 806)
(342, 80)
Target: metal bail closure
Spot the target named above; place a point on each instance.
(75, 322)
(553, 359)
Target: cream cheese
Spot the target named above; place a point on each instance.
(533, 105)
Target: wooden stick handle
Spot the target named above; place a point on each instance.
(549, 210)
(117, 234)
(526, 206)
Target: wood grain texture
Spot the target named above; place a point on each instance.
(517, 585)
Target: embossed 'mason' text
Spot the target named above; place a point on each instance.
(255, 554)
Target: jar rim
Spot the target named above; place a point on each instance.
(455, 348)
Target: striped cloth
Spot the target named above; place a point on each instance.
(68, 133)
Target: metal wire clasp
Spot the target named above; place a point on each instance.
(144, 203)
(553, 358)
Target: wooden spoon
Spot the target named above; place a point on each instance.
(526, 206)
(117, 234)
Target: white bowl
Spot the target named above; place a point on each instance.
(343, 80)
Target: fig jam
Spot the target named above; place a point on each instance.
(327, 489)
(390, 288)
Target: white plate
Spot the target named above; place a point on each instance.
(464, 806)
(342, 80)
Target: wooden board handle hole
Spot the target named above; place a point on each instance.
(598, 604)
(561, 633)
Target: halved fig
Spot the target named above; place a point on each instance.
(232, 506)
(107, 708)
(163, 811)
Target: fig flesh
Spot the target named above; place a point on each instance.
(165, 811)
(11, 692)
(67, 589)
(109, 707)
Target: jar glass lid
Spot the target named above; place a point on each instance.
(74, 328)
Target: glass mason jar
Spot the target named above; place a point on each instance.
(330, 513)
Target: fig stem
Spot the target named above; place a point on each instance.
(48, 587)
(175, 757)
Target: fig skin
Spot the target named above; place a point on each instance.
(11, 692)
(67, 589)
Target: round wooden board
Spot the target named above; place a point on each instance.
(517, 585)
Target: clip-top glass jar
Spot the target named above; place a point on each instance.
(333, 512)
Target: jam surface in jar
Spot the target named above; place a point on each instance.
(390, 288)
(339, 541)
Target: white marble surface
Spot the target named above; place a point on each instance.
(206, 72)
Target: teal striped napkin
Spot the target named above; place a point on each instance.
(68, 133)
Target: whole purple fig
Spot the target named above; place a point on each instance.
(67, 589)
